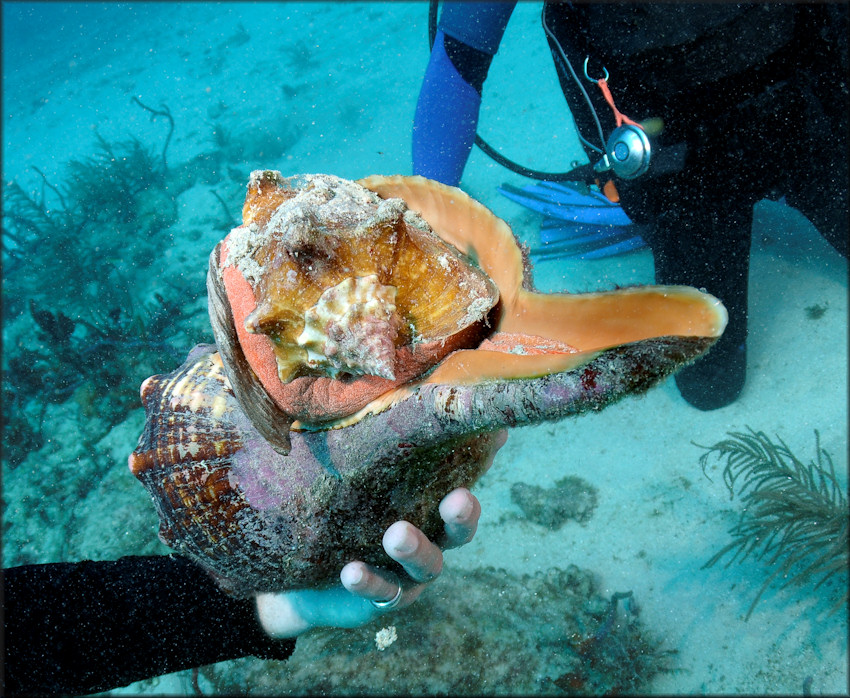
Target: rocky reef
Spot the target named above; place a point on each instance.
(570, 498)
(477, 632)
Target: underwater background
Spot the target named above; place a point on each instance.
(129, 132)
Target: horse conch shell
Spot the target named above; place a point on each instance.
(372, 337)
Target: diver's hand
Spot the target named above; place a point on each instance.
(421, 559)
(367, 591)
(287, 614)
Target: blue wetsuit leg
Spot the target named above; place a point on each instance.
(446, 120)
(446, 116)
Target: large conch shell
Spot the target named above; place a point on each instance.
(363, 366)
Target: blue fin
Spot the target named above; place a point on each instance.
(592, 240)
(569, 203)
(570, 194)
(589, 241)
(632, 244)
(591, 251)
(578, 221)
(553, 230)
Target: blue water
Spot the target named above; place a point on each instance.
(110, 216)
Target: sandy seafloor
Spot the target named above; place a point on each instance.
(318, 87)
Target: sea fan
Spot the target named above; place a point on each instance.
(795, 515)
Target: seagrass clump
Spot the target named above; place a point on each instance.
(795, 514)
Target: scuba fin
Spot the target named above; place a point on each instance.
(578, 221)
(568, 202)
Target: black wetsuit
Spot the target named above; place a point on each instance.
(755, 96)
(92, 626)
(758, 93)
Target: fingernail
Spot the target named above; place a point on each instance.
(407, 545)
(352, 575)
(465, 512)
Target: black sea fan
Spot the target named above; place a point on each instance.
(795, 515)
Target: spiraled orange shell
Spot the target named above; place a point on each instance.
(265, 513)
(292, 250)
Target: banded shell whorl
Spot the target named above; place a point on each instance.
(262, 521)
(184, 457)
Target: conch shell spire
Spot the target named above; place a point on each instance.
(329, 289)
(353, 328)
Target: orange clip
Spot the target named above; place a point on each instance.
(618, 115)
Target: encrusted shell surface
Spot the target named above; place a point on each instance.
(303, 236)
(353, 328)
(327, 289)
(262, 521)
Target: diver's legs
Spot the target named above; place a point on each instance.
(701, 244)
(446, 117)
(445, 121)
(825, 204)
(819, 185)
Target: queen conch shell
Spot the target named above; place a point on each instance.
(371, 339)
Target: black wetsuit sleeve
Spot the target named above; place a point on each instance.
(91, 626)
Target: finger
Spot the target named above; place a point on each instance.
(364, 581)
(376, 585)
(406, 544)
(460, 511)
